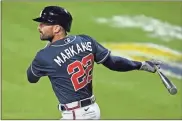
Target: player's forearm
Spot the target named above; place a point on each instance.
(31, 78)
(117, 63)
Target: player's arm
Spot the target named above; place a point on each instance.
(116, 63)
(31, 76)
(36, 70)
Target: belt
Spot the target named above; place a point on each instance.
(77, 104)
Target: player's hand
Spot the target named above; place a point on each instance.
(150, 66)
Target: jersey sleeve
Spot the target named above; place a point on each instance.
(37, 69)
(101, 53)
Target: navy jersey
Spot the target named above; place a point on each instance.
(69, 65)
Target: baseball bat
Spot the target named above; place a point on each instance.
(168, 84)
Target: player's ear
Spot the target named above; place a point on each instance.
(57, 28)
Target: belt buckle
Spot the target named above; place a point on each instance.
(92, 99)
(87, 101)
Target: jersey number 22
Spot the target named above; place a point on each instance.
(84, 71)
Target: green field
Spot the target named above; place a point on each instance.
(131, 95)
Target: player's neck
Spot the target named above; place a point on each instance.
(58, 37)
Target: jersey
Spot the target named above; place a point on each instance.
(69, 63)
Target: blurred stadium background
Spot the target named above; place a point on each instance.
(136, 30)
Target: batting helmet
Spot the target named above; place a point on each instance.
(56, 15)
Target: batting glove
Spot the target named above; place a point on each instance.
(150, 66)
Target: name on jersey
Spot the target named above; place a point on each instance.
(66, 54)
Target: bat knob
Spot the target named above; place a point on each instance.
(173, 91)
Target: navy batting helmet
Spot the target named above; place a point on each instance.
(56, 15)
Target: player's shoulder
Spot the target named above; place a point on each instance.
(44, 49)
(85, 36)
(40, 54)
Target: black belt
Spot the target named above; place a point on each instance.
(81, 103)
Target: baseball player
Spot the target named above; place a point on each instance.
(68, 61)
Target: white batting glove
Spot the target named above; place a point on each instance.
(150, 66)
